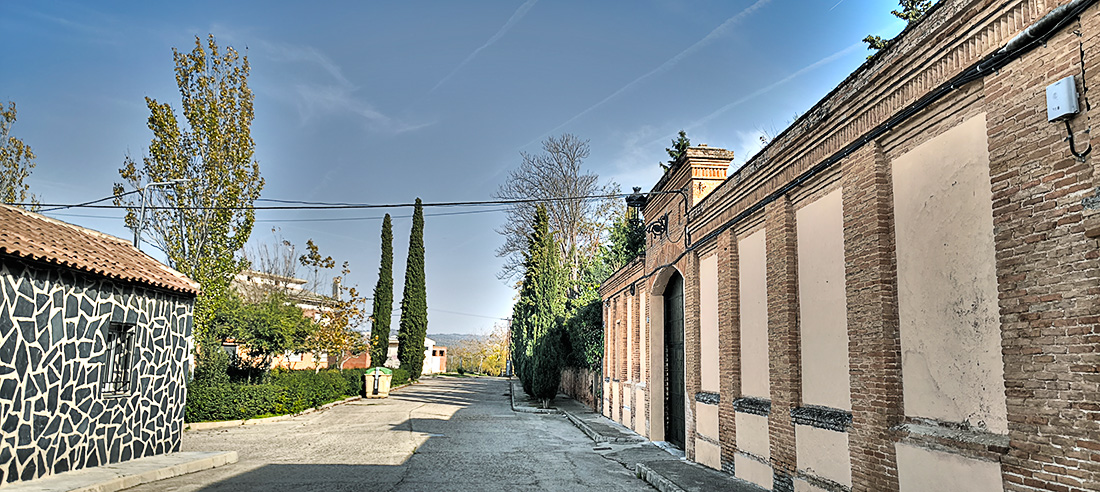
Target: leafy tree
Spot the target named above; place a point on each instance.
(413, 326)
(208, 218)
(677, 151)
(16, 162)
(911, 11)
(482, 354)
(555, 173)
(266, 329)
(539, 312)
(335, 333)
(383, 298)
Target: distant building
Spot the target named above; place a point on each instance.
(254, 286)
(435, 356)
(95, 338)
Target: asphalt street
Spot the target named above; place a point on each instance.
(445, 434)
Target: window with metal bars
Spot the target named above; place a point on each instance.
(117, 369)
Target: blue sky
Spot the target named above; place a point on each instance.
(383, 102)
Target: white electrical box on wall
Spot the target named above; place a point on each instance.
(1061, 99)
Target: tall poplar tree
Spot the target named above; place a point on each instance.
(201, 222)
(16, 162)
(383, 298)
(413, 326)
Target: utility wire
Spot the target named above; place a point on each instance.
(340, 206)
(85, 204)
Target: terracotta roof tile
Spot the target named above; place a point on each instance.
(32, 236)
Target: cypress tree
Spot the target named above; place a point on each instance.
(539, 312)
(413, 326)
(383, 298)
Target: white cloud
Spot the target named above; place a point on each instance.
(516, 16)
(713, 35)
(317, 86)
(748, 144)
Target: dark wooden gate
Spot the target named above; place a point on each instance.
(674, 361)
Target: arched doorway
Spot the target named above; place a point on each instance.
(674, 360)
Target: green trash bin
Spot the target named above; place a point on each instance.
(376, 382)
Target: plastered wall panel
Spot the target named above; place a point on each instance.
(706, 420)
(708, 324)
(639, 411)
(752, 434)
(753, 471)
(707, 454)
(752, 274)
(923, 470)
(823, 453)
(823, 313)
(947, 286)
(804, 486)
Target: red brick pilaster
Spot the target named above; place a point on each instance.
(784, 356)
(690, 268)
(874, 345)
(729, 342)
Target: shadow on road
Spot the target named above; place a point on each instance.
(329, 478)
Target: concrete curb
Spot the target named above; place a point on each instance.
(197, 426)
(655, 479)
(522, 409)
(118, 476)
(587, 429)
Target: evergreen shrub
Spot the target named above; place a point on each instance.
(283, 392)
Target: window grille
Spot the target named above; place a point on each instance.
(120, 359)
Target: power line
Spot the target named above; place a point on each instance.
(316, 219)
(335, 206)
(379, 217)
(85, 204)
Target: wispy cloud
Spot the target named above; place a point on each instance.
(317, 93)
(748, 144)
(667, 65)
(757, 93)
(515, 18)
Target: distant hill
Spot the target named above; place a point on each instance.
(451, 340)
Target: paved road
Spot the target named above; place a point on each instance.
(442, 435)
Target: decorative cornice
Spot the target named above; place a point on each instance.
(708, 398)
(755, 406)
(822, 417)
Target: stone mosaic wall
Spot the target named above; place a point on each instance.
(53, 415)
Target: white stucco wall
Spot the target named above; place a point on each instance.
(752, 434)
(708, 324)
(947, 286)
(924, 470)
(706, 420)
(753, 295)
(804, 486)
(823, 315)
(708, 454)
(823, 453)
(753, 471)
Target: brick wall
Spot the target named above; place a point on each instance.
(1046, 254)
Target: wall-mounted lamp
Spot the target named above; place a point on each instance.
(632, 289)
(635, 202)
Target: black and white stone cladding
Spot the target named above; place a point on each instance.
(53, 415)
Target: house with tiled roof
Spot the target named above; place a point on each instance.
(95, 339)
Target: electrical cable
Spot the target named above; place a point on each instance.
(1073, 148)
(338, 206)
(85, 204)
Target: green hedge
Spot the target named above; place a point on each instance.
(283, 392)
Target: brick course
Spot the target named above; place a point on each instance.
(1048, 275)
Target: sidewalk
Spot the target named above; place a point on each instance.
(118, 476)
(659, 467)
